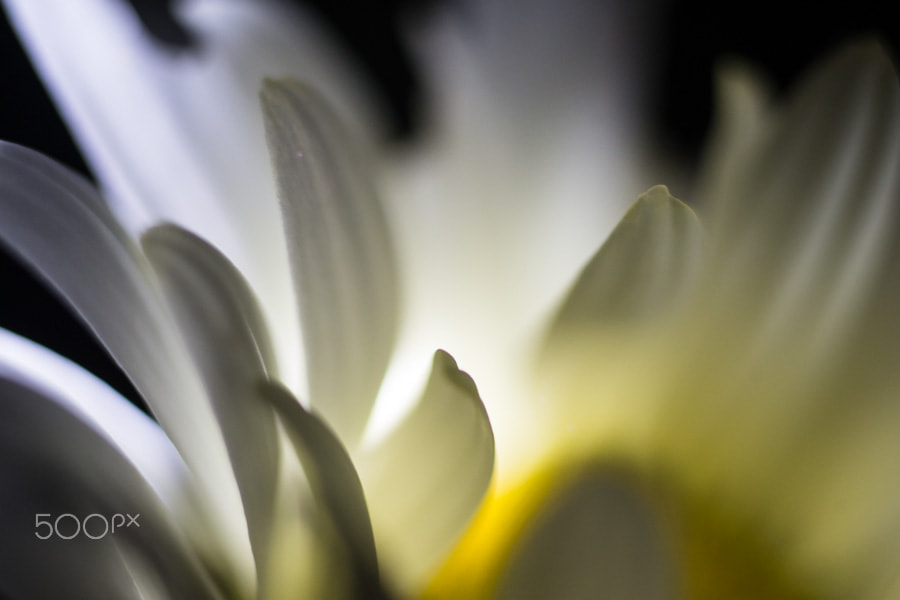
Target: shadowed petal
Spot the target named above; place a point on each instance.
(69, 445)
(224, 330)
(811, 211)
(333, 479)
(57, 225)
(596, 539)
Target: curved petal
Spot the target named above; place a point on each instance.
(224, 330)
(644, 268)
(425, 481)
(178, 136)
(333, 479)
(57, 225)
(340, 252)
(71, 446)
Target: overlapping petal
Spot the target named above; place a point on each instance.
(176, 135)
(59, 226)
(223, 328)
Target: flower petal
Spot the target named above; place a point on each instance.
(333, 479)
(643, 268)
(811, 211)
(177, 136)
(58, 225)
(425, 481)
(70, 447)
(340, 253)
(597, 539)
(224, 330)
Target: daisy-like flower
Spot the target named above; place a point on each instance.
(674, 377)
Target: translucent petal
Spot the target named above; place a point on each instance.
(425, 481)
(223, 328)
(642, 270)
(58, 225)
(340, 252)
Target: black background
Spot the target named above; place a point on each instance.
(781, 37)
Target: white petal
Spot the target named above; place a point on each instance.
(57, 224)
(425, 481)
(597, 539)
(340, 253)
(178, 136)
(643, 270)
(333, 479)
(223, 328)
(71, 445)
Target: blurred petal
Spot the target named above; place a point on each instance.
(223, 328)
(425, 481)
(134, 434)
(532, 147)
(178, 136)
(597, 538)
(340, 253)
(57, 225)
(644, 267)
(62, 438)
(742, 98)
(786, 364)
(811, 211)
(333, 479)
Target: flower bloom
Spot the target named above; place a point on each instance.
(683, 364)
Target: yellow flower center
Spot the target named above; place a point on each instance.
(687, 547)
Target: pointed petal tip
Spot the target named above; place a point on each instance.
(658, 196)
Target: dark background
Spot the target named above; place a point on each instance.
(781, 37)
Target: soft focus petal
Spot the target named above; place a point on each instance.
(71, 445)
(642, 270)
(134, 434)
(785, 365)
(57, 224)
(340, 253)
(333, 480)
(807, 218)
(425, 481)
(177, 136)
(223, 328)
